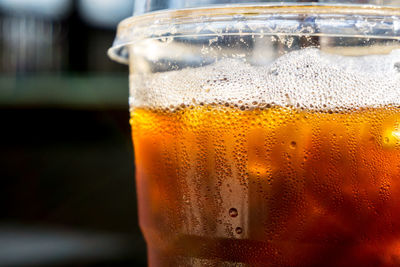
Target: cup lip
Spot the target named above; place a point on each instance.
(118, 51)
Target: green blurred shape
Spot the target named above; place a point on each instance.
(93, 91)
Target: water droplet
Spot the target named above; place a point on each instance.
(397, 66)
(233, 212)
(293, 144)
(238, 230)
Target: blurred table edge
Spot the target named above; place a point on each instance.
(24, 245)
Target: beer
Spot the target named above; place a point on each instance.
(266, 134)
(269, 185)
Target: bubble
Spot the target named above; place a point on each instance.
(238, 230)
(233, 212)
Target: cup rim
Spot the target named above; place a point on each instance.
(136, 28)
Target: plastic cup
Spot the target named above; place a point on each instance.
(266, 134)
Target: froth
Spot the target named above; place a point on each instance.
(307, 78)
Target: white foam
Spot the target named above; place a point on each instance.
(306, 78)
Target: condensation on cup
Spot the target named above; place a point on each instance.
(266, 134)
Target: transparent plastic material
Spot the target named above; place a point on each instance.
(145, 6)
(260, 19)
(266, 135)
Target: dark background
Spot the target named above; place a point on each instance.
(67, 194)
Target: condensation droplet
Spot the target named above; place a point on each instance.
(293, 144)
(397, 66)
(233, 212)
(238, 230)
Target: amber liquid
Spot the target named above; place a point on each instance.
(221, 186)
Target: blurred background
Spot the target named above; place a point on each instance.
(67, 194)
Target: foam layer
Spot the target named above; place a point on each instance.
(306, 79)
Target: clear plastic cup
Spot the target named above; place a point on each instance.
(266, 134)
